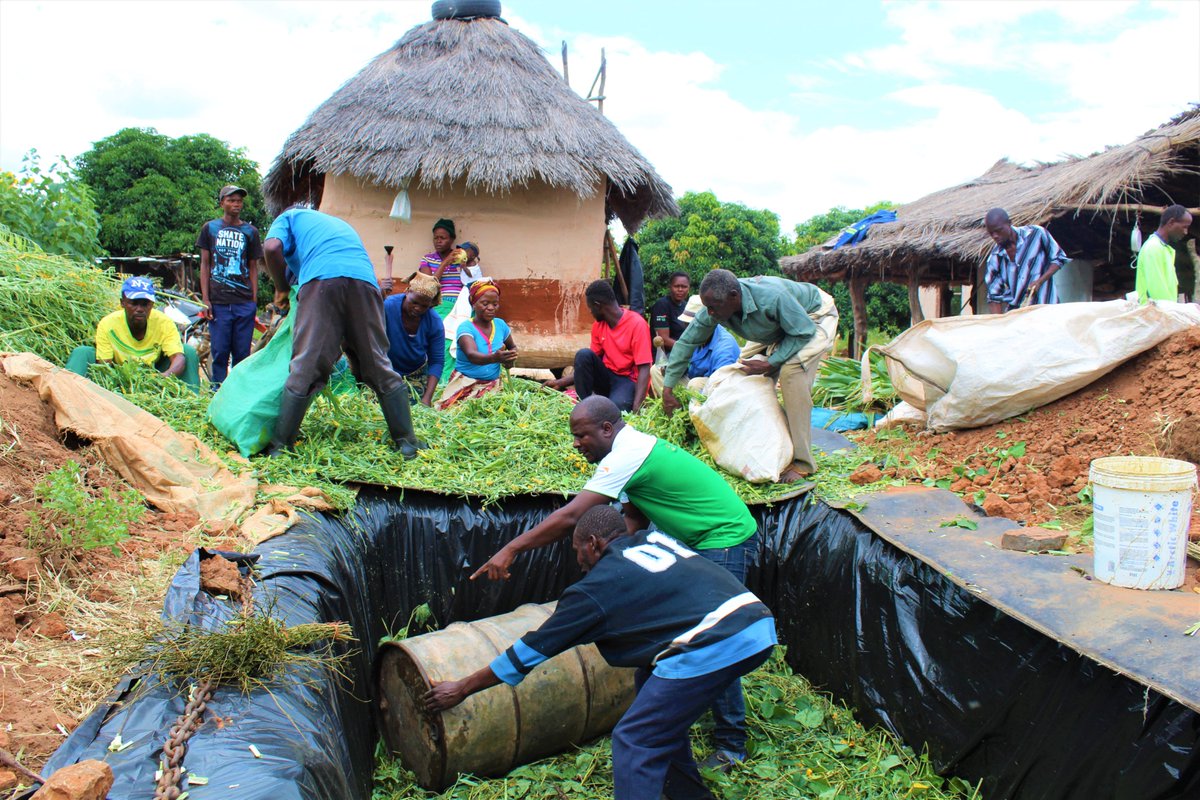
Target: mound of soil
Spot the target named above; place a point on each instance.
(1148, 406)
(31, 724)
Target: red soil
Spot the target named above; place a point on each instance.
(1148, 406)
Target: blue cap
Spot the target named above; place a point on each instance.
(138, 289)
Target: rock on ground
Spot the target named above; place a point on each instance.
(87, 780)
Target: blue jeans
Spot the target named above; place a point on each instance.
(230, 333)
(593, 377)
(729, 708)
(651, 750)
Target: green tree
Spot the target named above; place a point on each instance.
(708, 234)
(154, 192)
(51, 207)
(887, 303)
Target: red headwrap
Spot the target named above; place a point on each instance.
(479, 287)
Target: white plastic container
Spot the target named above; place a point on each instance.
(1142, 508)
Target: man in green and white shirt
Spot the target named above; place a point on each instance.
(1156, 276)
(656, 482)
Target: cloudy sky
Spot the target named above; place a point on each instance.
(794, 107)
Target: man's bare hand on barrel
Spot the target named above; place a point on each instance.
(448, 694)
(444, 695)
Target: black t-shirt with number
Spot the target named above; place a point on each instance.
(647, 599)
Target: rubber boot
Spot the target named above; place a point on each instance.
(397, 412)
(292, 408)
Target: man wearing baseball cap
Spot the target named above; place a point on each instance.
(230, 255)
(137, 332)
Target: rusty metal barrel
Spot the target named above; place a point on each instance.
(566, 700)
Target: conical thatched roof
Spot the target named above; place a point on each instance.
(943, 233)
(474, 101)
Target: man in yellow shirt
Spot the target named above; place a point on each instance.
(139, 333)
(1156, 276)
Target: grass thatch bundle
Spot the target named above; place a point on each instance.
(472, 101)
(50, 304)
(942, 234)
(250, 651)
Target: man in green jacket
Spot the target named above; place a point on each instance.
(793, 324)
(1156, 277)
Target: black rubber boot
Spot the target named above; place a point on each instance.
(292, 408)
(397, 412)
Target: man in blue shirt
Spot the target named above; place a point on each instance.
(647, 601)
(340, 310)
(720, 350)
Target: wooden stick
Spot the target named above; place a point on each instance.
(611, 246)
(8, 760)
(1129, 207)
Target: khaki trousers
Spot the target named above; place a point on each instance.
(796, 376)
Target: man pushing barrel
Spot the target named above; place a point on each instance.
(646, 601)
(662, 484)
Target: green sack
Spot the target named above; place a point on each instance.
(247, 405)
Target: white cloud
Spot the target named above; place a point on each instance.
(251, 72)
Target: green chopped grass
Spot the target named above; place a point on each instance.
(802, 745)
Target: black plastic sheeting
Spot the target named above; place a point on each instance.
(993, 699)
(934, 663)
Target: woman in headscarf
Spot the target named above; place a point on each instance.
(416, 338)
(484, 345)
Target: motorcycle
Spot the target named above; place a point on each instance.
(191, 317)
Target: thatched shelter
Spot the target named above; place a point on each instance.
(470, 116)
(1089, 205)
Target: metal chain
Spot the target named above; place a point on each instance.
(175, 747)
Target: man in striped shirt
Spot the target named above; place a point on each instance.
(647, 601)
(1021, 264)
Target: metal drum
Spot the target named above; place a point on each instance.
(567, 700)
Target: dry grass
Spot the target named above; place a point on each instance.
(135, 604)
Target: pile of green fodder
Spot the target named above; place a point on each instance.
(50, 304)
(801, 745)
(513, 442)
(839, 385)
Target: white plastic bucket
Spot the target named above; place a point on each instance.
(1141, 508)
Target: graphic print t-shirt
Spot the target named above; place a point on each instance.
(233, 249)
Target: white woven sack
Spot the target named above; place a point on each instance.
(743, 426)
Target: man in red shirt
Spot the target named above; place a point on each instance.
(617, 365)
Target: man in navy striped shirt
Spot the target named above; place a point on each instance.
(1021, 264)
(649, 602)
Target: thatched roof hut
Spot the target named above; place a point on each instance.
(1089, 205)
(470, 116)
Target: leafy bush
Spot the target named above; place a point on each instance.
(71, 517)
(50, 207)
(706, 235)
(154, 192)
